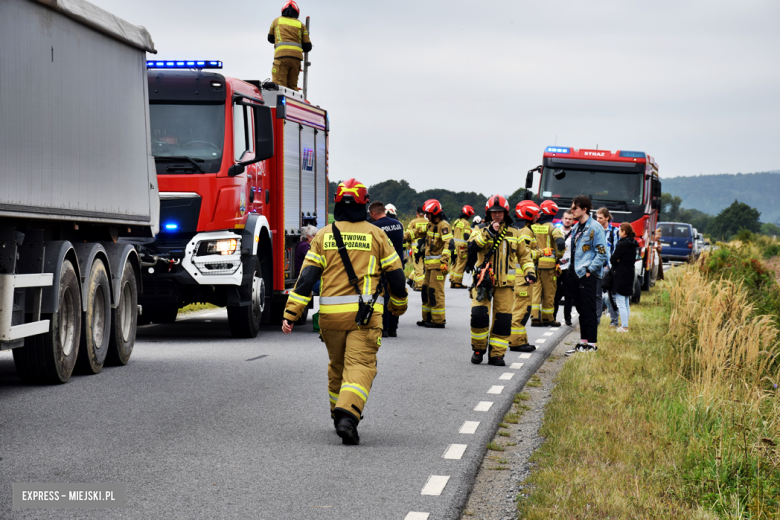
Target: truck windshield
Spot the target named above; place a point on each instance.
(183, 135)
(604, 186)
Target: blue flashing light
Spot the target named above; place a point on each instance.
(555, 149)
(171, 227)
(282, 100)
(184, 64)
(633, 155)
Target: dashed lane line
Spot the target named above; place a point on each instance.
(416, 515)
(483, 406)
(455, 451)
(541, 340)
(515, 366)
(435, 485)
(527, 355)
(495, 389)
(548, 334)
(469, 427)
(506, 376)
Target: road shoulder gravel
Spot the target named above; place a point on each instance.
(502, 474)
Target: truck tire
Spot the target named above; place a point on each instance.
(96, 321)
(646, 278)
(124, 320)
(49, 358)
(637, 296)
(244, 320)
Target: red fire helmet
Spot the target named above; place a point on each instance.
(353, 189)
(291, 3)
(496, 203)
(432, 206)
(468, 210)
(527, 210)
(549, 207)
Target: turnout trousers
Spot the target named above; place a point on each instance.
(433, 296)
(418, 275)
(285, 72)
(548, 283)
(497, 337)
(521, 312)
(352, 367)
(461, 255)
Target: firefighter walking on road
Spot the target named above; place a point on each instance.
(291, 39)
(436, 253)
(415, 227)
(525, 214)
(494, 282)
(551, 244)
(349, 256)
(461, 230)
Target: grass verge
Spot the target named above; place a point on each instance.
(678, 419)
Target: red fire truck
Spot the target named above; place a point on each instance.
(241, 167)
(625, 182)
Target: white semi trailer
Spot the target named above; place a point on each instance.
(77, 174)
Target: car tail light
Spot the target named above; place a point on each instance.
(690, 245)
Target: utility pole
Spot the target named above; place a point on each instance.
(306, 66)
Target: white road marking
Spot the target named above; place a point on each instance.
(548, 334)
(515, 366)
(416, 515)
(469, 427)
(555, 328)
(455, 451)
(483, 406)
(542, 340)
(435, 485)
(527, 355)
(495, 389)
(506, 376)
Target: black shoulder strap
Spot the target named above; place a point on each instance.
(353, 279)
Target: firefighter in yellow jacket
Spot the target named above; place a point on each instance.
(436, 254)
(291, 39)
(349, 290)
(494, 275)
(551, 243)
(461, 230)
(417, 275)
(525, 214)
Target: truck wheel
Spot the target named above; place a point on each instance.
(637, 296)
(49, 358)
(95, 322)
(124, 320)
(646, 279)
(245, 321)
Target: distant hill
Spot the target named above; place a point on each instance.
(713, 193)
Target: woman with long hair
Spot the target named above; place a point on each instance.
(623, 260)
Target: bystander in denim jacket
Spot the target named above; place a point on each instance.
(591, 248)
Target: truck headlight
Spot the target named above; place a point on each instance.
(224, 247)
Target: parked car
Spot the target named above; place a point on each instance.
(677, 239)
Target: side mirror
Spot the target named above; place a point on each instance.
(656, 204)
(529, 180)
(264, 133)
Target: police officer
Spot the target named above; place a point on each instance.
(395, 232)
(525, 213)
(345, 296)
(410, 239)
(494, 275)
(551, 244)
(436, 252)
(461, 230)
(291, 39)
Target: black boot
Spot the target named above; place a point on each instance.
(536, 323)
(347, 429)
(393, 333)
(432, 325)
(421, 323)
(385, 333)
(552, 323)
(523, 348)
(477, 356)
(497, 361)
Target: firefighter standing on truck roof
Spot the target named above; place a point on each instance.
(417, 276)
(291, 39)
(551, 243)
(350, 281)
(435, 250)
(525, 213)
(494, 275)
(461, 230)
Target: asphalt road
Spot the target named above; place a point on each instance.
(200, 425)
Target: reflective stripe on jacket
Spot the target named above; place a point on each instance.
(289, 36)
(509, 253)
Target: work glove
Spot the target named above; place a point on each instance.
(444, 267)
(558, 270)
(547, 251)
(530, 278)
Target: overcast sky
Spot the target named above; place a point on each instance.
(466, 95)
